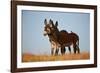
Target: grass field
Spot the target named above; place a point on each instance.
(38, 58)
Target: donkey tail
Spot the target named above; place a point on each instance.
(78, 42)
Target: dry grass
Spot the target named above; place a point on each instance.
(38, 58)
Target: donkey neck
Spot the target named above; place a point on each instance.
(54, 36)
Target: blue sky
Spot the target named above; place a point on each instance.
(33, 40)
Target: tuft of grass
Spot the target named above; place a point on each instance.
(39, 58)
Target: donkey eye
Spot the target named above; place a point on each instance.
(48, 29)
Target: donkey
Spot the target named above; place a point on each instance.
(53, 33)
(67, 39)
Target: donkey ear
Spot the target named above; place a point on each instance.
(56, 24)
(45, 21)
(50, 21)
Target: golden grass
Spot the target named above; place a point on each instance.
(38, 58)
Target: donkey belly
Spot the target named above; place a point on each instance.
(67, 44)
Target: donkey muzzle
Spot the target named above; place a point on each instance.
(45, 33)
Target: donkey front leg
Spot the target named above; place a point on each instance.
(56, 51)
(52, 51)
(53, 48)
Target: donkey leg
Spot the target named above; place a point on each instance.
(78, 49)
(69, 49)
(52, 51)
(74, 49)
(56, 49)
(63, 49)
(53, 48)
(56, 52)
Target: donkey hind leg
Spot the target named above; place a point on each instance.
(78, 49)
(69, 49)
(75, 49)
(63, 50)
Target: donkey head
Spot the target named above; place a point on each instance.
(49, 27)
